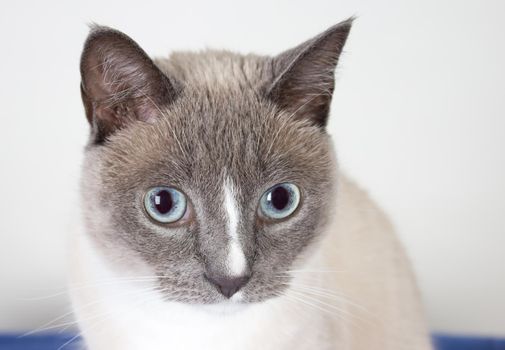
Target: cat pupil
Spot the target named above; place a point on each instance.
(163, 201)
(280, 198)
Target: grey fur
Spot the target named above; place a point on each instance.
(199, 119)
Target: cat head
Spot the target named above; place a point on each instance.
(213, 171)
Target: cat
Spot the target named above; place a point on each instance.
(214, 213)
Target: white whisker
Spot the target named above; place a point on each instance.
(49, 325)
(91, 285)
(331, 294)
(103, 318)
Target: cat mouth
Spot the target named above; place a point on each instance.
(230, 306)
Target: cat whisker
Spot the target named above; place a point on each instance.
(314, 298)
(147, 293)
(91, 285)
(103, 318)
(342, 314)
(329, 293)
(314, 306)
(315, 271)
(312, 279)
(331, 296)
(48, 325)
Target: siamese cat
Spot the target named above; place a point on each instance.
(215, 216)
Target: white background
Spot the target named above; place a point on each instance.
(418, 118)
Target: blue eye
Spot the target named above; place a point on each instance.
(280, 201)
(165, 204)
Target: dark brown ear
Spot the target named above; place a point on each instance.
(119, 83)
(304, 76)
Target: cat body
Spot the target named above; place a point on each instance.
(274, 248)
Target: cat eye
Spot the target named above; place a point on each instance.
(280, 201)
(165, 204)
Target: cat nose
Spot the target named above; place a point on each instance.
(228, 285)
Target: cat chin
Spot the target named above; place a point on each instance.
(228, 307)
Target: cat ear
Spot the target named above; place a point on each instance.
(119, 83)
(304, 76)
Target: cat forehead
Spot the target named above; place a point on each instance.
(209, 138)
(221, 97)
(218, 69)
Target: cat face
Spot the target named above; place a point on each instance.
(212, 169)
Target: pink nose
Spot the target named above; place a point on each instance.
(228, 285)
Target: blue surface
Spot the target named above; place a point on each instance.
(50, 341)
(55, 341)
(445, 342)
